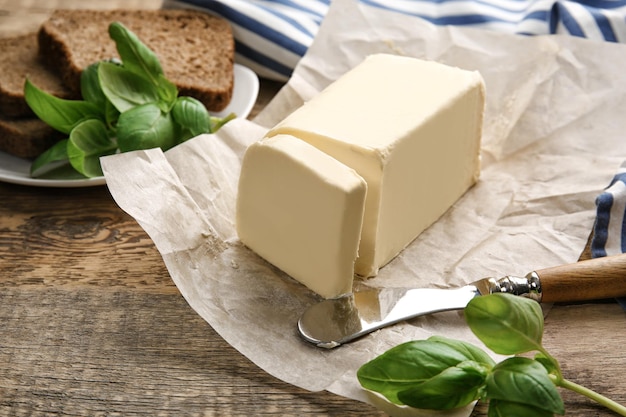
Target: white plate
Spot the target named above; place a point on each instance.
(16, 170)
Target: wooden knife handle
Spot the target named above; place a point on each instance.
(591, 279)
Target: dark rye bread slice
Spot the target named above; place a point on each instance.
(196, 49)
(18, 60)
(26, 138)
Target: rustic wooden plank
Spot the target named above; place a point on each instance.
(57, 237)
(114, 351)
(588, 340)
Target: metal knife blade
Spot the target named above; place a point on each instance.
(334, 322)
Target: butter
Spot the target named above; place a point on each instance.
(302, 211)
(412, 130)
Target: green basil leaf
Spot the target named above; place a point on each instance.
(505, 323)
(146, 127)
(412, 363)
(60, 114)
(167, 90)
(192, 115)
(519, 380)
(467, 350)
(90, 86)
(499, 408)
(50, 159)
(551, 365)
(453, 388)
(135, 56)
(124, 88)
(87, 143)
(111, 114)
(62, 171)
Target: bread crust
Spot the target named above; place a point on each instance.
(20, 60)
(27, 137)
(196, 49)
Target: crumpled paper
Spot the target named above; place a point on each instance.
(553, 138)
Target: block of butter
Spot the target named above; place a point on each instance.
(410, 128)
(301, 210)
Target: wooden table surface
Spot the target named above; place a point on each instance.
(91, 323)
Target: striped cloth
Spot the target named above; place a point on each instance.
(272, 35)
(609, 230)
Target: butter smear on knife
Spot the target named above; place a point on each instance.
(409, 128)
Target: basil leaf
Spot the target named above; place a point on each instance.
(412, 363)
(192, 115)
(124, 88)
(145, 127)
(548, 362)
(60, 114)
(469, 351)
(111, 114)
(47, 160)
(499, 408)
(505, 323)
(167, 90)
(62, 171)
(519, 379)
(90, 86)
(453, 388)
(87, 143)
(136, 56)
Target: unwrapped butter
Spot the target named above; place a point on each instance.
(301, 210)
(410, 128)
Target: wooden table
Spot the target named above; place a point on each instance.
(91, 323)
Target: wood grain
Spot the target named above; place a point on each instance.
(96, 351)
(92, 325)
(75, 237)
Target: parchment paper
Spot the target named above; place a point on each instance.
(553, 139)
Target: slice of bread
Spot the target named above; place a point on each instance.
(26, 138)
(18, 60)
(196, 49)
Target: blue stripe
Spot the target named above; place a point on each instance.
(623, 232)
(472, 18)
(542, 15)
(491, 4)
(604, 202)
(293, 5)
(287, 19)
(464, 19)
(459, 19)
(604, 25)
(621, 176)
(255, 55)
(603, 4)
(560, 14)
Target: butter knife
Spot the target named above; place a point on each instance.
(333, 322)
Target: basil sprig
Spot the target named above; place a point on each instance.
(442, 374)
(126, 105)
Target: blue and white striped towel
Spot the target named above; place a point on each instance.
(609, 230)
(272, 35)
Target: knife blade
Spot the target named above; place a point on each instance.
(334, 322)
